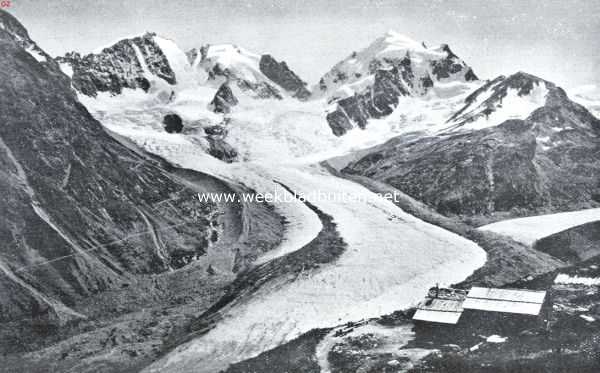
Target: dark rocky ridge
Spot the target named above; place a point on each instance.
(547, 162)
(447, 67)
(118, 67)
(280, 73)
(393, 78)
(224, 100)
(378, 102)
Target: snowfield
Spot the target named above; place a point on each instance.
(576, 280)
(530, 229)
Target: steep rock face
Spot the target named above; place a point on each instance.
(130, 63)
(369, 83)
(81, 213)
(280, 73)
(549, 161)
(379, 101)
(224, 100)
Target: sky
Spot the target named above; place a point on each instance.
(556, 40)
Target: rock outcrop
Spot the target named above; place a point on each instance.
(129, 63)
(280, 73)
(224, 100)
(173, 123)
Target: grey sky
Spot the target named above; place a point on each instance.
(557, 40)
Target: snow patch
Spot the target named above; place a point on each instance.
(587, 318)
(35, 54)
(67, 69)
(496, 339)
(513, 106)
(530, 229)
(178, 61)
(563, 278)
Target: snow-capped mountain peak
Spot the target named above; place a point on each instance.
(259, 75)
(238, 62)
(501, 99)
(368, 83)
(399, 40)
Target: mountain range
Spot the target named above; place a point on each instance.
(106, 245)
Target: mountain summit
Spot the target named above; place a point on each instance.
(259, 75)
(367, 84)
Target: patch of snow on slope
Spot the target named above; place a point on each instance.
(391, 260)
(530, 229)
(568, 280)
(496, 339)
(35, 54)
(513, 106)
(67, 69)
(179, 63)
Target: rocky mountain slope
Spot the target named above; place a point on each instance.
(546, 160)
(129, 63)
(82, 213)
(367, 84)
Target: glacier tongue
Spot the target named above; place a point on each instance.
(391, 260)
